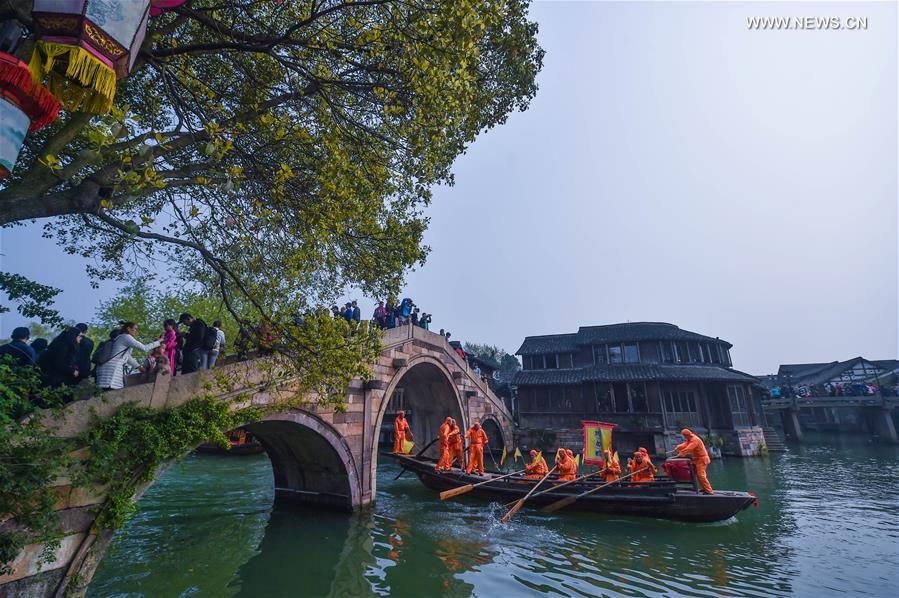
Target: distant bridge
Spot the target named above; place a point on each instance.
(878, 407)
(318, 455)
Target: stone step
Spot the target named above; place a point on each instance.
(773, 441)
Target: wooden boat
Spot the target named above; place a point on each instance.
(664, 498)
(241, 443)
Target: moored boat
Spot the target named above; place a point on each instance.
(664, 498)
(240, 442)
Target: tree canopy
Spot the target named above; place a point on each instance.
(271, 154)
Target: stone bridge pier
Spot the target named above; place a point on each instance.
(318, 455)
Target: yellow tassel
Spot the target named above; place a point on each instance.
(97, 81)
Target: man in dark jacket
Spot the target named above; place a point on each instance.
(193, 342)
(59, 362)
(85, 349)
(19, 348)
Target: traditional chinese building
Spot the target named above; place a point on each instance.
(651, 379)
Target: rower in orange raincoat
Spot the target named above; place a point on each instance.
(477, 438)
(536, 469)
(611, 466)
(640, 468)
(400, 431)
(693, 447)
(651, 470)
(445, 461)
(567, 468)
(455, 446)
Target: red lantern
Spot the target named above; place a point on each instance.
(24, 106)
(92, 44)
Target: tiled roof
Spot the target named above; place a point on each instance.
(548, 377)
(484, 360)
(611, 333)
(637, 331)
(631, 373)
(550, 343)
(819, 373)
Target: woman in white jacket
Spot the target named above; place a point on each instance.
(111, 375)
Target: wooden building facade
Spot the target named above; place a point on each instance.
(650, 379)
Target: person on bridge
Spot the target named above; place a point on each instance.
(567, 468)
(477, 438)
(446, 460)
(536, 469)
(693, 447)
(455, 446)
(611, 466)
(400, 432)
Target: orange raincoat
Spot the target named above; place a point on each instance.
(477, 439)
(567, 467)
(612, 467)
(640, 466)
(400, 427)
(537, 468)
(693, 447)
(455, 447)
(445, 461)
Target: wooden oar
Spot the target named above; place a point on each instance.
(583, 477)
(559, 504)
(422, 451)
(469, 487)
(520, 502)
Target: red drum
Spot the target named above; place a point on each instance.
(678, 470)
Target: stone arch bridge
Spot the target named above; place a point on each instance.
(318, 454)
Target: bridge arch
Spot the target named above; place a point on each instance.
(431, 394)
(311, 462)
(494, 431)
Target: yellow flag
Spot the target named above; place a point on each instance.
(407, 446)
(577, 460)
(517, 455)
(502, 459)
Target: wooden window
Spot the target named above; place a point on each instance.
(614, 353)
(551, 361)
(738, 406)
(603, 397)
(637, 390)
(600, 357)
(566, 360)
(631, 353)
(667, 352)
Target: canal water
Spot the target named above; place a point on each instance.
(828, 525)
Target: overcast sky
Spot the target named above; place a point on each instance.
(675, 166)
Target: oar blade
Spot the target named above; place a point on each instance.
(512, 511)
(559, 504)
(447, 494)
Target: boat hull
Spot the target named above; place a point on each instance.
(663, 499)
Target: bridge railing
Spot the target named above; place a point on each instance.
(836, 401)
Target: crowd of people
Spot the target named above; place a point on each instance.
(71, 356)
(387, 315)
(450, 441)
(834, 389)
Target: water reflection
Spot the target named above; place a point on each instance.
(826, 525)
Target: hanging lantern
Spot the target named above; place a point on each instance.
(85, 46)
(24, 106)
